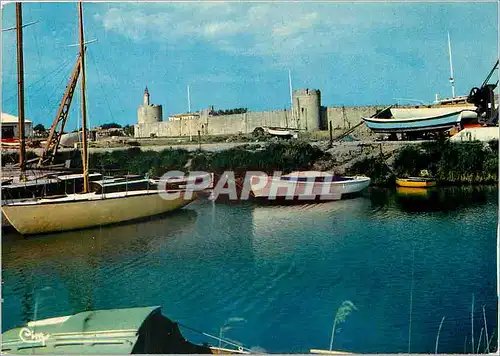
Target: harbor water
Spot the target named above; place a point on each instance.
(272, 277)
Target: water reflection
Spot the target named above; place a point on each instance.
(444, 199)
(80, 260)
(285, 269)
(117, 240)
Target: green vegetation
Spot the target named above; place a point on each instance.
(450, 163)
(229, 112)
(112, 125)
(286, 156)
(128, 130)
(39, 128)
(135, 161)
(376, 168)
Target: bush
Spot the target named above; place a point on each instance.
(460, 162)
(375, 168)
(135, 161)
(284, 156)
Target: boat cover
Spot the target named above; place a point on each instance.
(118, 331)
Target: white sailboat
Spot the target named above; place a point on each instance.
(77, 211)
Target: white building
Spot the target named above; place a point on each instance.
(187, 116)
(10, 127)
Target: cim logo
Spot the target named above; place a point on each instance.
(29, 336)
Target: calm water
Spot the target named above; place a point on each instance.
(284, 270)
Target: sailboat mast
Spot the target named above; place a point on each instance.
(452, 79)
(84, 107)
(189, 99)
(20, 88)
(291, 100)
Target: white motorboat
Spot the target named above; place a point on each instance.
(307, 186)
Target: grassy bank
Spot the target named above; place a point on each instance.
(135, 161)
(450, 163)
(285, 156)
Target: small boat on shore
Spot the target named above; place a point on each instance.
(416, 182)
(478, 107)
(421, 119)
(281, 132)
(308, 186)
(117, 331)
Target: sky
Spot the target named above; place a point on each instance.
(238, 54)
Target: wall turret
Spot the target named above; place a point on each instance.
(307, 109)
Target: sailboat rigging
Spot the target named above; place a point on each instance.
(84, 105)
(452, 79)
(77, 211)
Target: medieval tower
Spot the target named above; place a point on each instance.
(148, 113)
(306, 109)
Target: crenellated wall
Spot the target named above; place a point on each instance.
(216, 125)
(342, 118)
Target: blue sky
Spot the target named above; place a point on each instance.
(239, 54)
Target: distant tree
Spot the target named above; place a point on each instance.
(229, 111)
(40, 128)
(128, 130)
(112, 125)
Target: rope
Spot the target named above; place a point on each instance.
(102, 88)
(58, 69)
(216, 338)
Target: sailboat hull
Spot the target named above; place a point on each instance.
(81, 211)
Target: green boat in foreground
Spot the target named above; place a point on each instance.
(117, 331)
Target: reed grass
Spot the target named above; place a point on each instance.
(472, 321)
(479, 342)
(438, 334)
(487, 348)
(343, 312)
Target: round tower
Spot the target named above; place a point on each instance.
(307, 109)
(148, 113)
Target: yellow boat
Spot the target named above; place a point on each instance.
(416, 182)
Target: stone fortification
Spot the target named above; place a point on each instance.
(307, 115)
